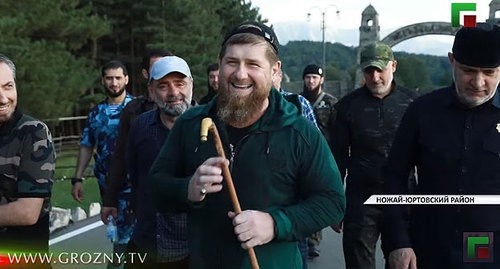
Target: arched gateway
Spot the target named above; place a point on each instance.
(419, 29)
(369, 30)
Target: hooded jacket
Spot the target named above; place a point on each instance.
(283, 166)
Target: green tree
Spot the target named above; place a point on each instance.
(298, 54)
(233, 12)
(412, 73)
(193, 33)
(192, 29)
(333, 72)
(41, 37)
(446, 79)
(127, 39)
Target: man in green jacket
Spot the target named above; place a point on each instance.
(286, 178)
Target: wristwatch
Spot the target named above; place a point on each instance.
(75, 180)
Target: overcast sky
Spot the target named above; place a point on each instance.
(392, 15)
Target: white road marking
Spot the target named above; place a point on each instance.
(75, 232)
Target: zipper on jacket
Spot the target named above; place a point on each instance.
(234, 149)
(231, 158)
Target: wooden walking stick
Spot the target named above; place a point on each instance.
(206, 125)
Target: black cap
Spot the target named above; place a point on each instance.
(313, 69)
(478, 46)
(255, 28)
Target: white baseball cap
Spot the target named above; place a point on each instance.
(167, 65)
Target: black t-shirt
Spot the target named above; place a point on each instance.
(236, 134)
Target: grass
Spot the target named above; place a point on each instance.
(61, 191)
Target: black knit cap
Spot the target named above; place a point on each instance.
(478, 46)
(256, 28)
(313, 69)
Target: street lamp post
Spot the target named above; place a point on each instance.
(323, 27)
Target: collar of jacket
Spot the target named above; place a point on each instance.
(394, 87)
(7, 126)
(127, 98)
(451, 99)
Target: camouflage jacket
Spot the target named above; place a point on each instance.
(363, 134)
(27, 170)
(101, 132)
(324, 111)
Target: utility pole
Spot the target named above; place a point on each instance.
(323, 28)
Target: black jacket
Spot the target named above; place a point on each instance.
(363, 133)
(456, 151)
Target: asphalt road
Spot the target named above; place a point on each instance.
(332, 255)
(94, 241)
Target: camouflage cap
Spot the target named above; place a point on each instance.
(377, 55)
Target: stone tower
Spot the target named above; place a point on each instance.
(369, 32)
(494, 8)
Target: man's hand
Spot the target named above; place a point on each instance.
(337, 227)
(253, 228)
(206, 179)
(77, 191)
(106, 211)
(402, 258)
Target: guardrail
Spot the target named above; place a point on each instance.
(66, 133)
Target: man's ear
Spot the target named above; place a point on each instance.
(394, 65)
(276, 68)
(150, 91)
(145, 73)
(451, 58)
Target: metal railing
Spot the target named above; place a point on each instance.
(66, 132)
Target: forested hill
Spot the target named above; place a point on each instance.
(60, 46)
(425, 72)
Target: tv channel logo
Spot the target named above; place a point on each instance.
(478, 247)
(469, 20)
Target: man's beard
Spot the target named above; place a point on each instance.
(212, 88)
(115, 94)
(7, 117)
(311, 93)
(173, 110)
(237, 110)
(467, 100)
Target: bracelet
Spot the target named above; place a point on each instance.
(75, 180)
